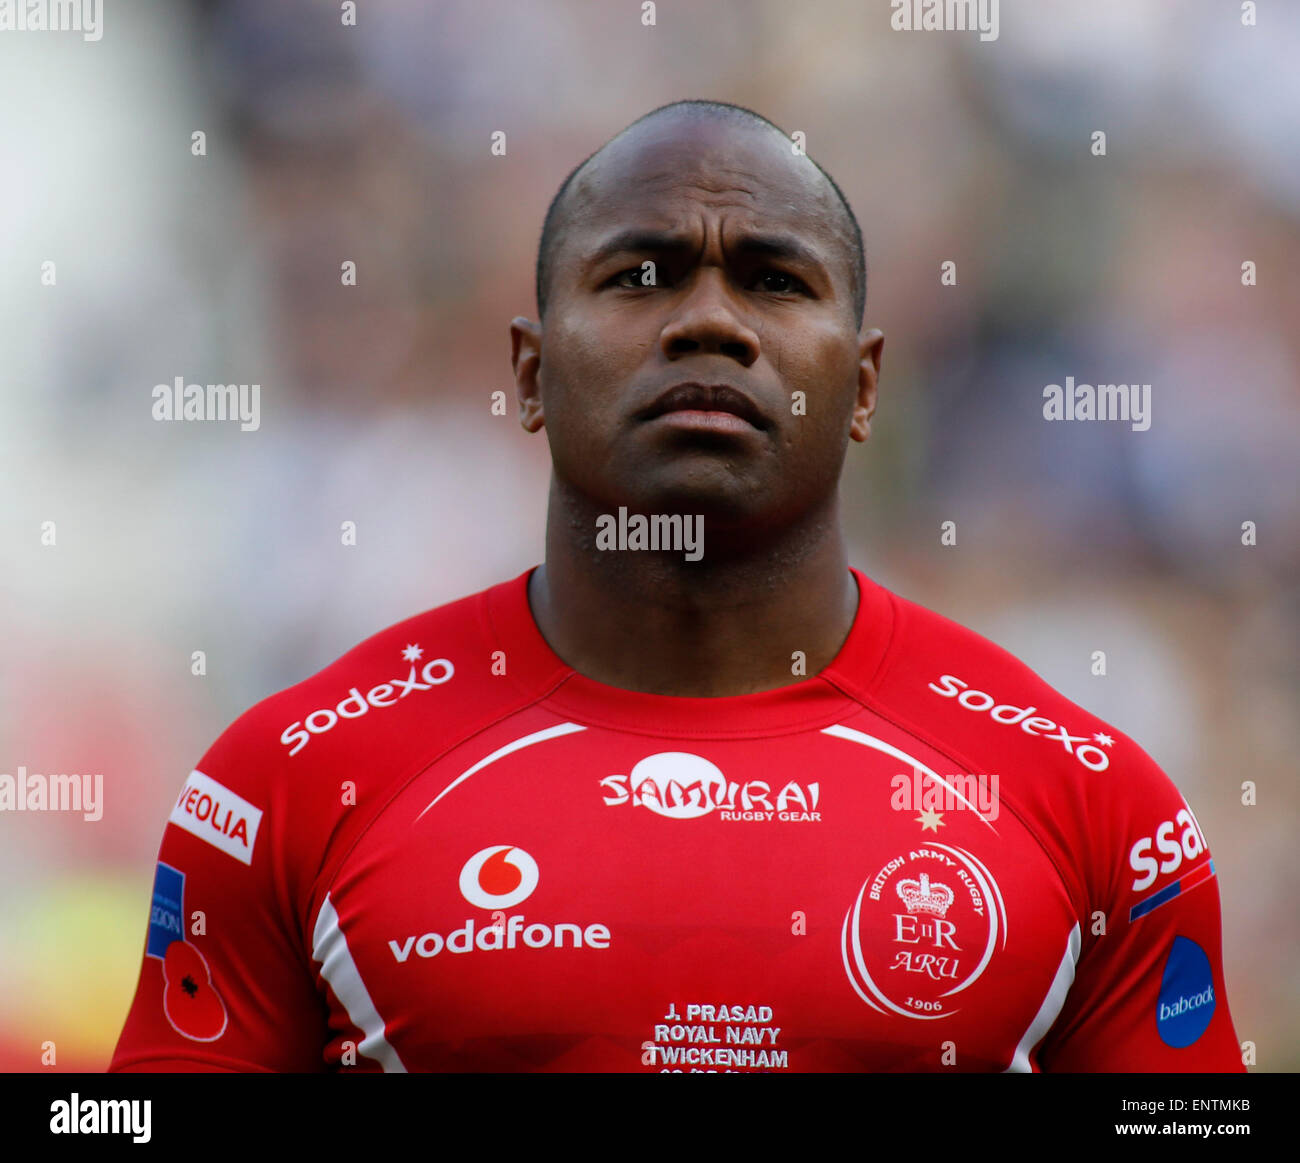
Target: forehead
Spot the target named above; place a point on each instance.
(669, 171)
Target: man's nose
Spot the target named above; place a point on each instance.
(708, 321)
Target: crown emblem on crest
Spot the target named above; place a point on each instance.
(920, 896)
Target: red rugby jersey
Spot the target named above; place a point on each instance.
(449, 851)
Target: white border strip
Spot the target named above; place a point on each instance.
(854, 736)
(501, 752)
(1050, 1010)
(330, 948)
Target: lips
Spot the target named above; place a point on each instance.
(694, 397)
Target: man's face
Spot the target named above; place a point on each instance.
(749, 308)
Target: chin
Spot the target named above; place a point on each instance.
(722, 502)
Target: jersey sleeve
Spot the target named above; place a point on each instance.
(224, 982)
(1148, 994)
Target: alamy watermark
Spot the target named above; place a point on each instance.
(945, 16)
(676, 532)
(181, 401)
(83, 16)
(30, 791)
(75, 1115)
(932, 794)
(1131, 402)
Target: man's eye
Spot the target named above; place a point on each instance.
(632, 277)
(778, 283)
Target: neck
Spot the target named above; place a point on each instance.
(747, 617)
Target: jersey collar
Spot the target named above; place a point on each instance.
(825, 698)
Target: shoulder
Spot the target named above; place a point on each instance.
(1088, 789)
(405, 691)
(980, 696)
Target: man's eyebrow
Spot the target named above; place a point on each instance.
(639, 240)
(779, 246)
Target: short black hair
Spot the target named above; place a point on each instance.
(551, 223)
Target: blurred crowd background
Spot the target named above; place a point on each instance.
(328, 143)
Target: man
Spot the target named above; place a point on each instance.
(693, 794)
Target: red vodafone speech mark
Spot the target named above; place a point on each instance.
(498, 876)
(190, 1000)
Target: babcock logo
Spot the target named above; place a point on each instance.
(1186, 1002)
(498, 877)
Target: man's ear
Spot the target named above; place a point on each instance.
(871, 343)
(526, 359)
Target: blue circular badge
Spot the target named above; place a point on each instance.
(1186, 1002)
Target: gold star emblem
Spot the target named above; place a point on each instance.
(931, 819)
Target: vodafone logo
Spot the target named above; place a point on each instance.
(498, 877)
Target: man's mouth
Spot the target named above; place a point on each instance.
(713, 407)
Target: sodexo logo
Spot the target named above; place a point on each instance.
(498, 877)
(1186, 1002)
(434, 673)
(1085, 751)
